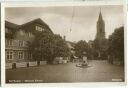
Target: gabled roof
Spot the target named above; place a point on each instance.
(11, 25)
(38, 20)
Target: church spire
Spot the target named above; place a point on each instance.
(100, 27)
(100, 15)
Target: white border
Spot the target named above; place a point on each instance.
(126, 41)
(42, 4)
(107, 1)
(39, 4)
(2, 47)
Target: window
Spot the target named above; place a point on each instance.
(29, 34)
(9, 55)
(29, 55)
(9, 42)
(20, 43)
(20, 55)
(38, 28)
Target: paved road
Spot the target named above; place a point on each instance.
(100, 71)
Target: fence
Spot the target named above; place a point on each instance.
(9, 66)
(24, 64)
(34, 63)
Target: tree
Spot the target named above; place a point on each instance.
(81, 47)
(99, 48)
(47, 46)
(116, 45)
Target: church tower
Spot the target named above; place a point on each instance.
(100, 40)
(100, 28)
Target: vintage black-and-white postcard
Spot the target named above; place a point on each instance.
(64, 43)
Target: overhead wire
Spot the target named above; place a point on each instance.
(72, 18)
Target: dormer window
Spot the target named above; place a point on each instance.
(39, 28)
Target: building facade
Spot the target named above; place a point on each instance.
(17, 38)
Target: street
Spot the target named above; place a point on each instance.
(100, 71)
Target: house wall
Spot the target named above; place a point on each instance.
(19, 46)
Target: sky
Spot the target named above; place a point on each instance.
(75, 22)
